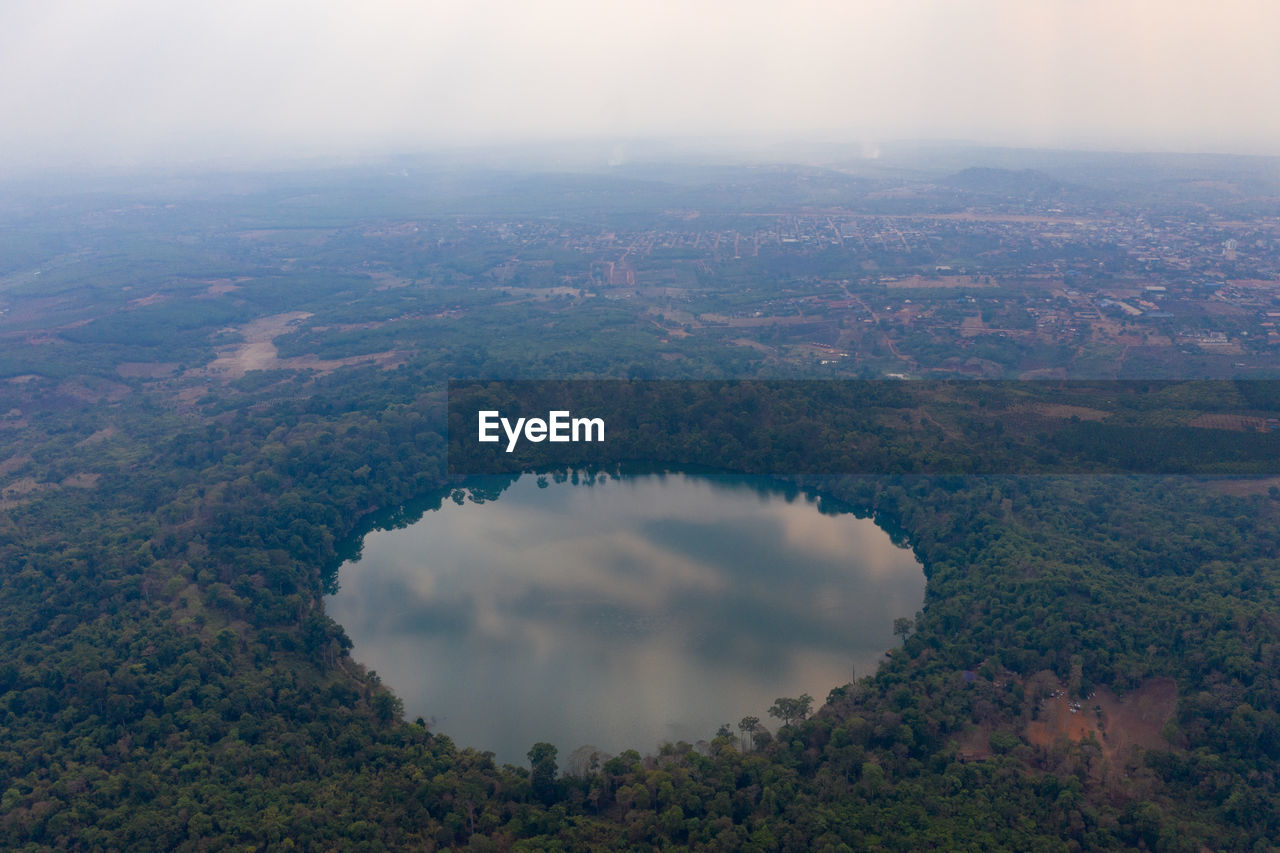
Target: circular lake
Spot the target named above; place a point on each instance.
(624, 613)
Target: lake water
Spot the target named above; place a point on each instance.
(621, 614)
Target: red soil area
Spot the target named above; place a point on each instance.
(1117, 723)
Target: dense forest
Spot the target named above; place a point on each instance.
(169, 679)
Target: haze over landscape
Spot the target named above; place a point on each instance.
(241, 82)
(976, 304)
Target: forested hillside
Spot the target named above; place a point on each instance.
(189, 446)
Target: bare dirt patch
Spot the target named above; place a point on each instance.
(258, 352)
(13, 463)
(188, 396)
(386, 360)
(22, 487)
(757, 322)
(258, 355)
(1059, 717)
(1139, 718)
(675, 333)
(919, 281)
(1064, 412)
(1117, 723)
(1235, 423)
(220, 287)
(101, 435)
(1106, 329)
(1044, 373)
(81, 481)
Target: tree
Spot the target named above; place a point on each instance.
(902, 627)
(542, 761)
(586, 760)
(387, 706)
(747, 726)
(789, 710)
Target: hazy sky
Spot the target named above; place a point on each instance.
(135, 81)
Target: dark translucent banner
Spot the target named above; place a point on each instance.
(869, 427)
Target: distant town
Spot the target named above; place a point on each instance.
(1020, 290)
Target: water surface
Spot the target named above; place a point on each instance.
(621, 614)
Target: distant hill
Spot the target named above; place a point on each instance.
(1007, 182)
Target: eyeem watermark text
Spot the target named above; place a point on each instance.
(558, 427)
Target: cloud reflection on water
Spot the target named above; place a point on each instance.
(623, 613)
